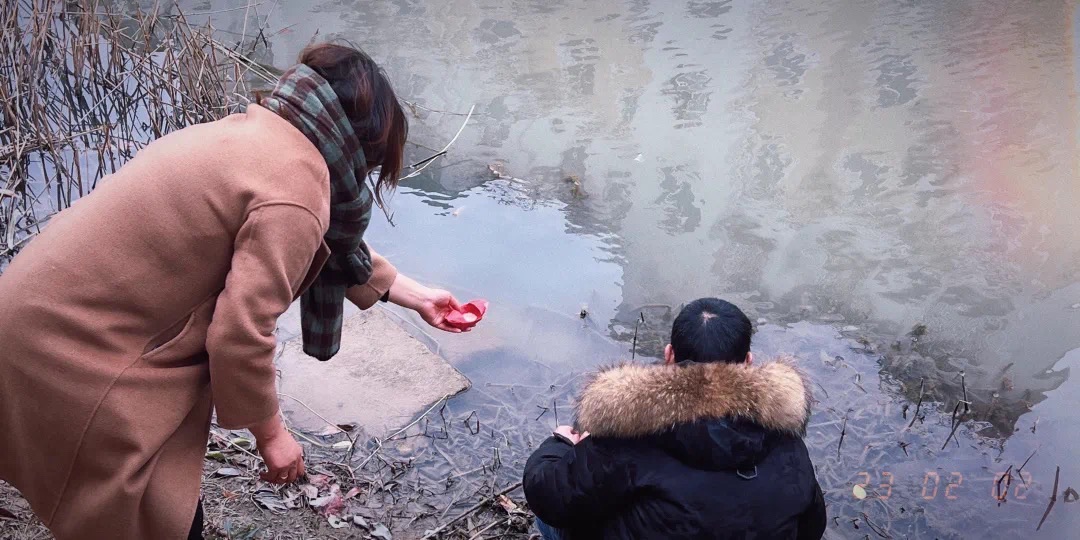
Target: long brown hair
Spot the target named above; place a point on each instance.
(369, 101)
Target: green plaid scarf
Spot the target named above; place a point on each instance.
(307, 101)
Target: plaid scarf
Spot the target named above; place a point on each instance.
(308, 102)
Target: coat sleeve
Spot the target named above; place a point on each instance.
(272, 253)
(813, 520)
(383, 275)
(567, 485)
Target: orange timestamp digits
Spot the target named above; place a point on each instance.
(949, 486)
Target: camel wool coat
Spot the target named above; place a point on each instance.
(145, 305)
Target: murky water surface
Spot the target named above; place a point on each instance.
(888, 187)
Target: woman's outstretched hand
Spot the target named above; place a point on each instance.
(436, 307)
(433, 305)
(280, 452)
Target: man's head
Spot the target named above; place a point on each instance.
(710, 330)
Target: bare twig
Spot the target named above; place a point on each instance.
(1053, 498)
(874, 527)
(415, 105)
(312, 411)
(1019, 470)
(955, 424)
(822, 388)
(488, 527)
(637, 323)
(963, 386)
(379, 443)
(442, 152)
(425, 160)
(843, 432)
(922, 386)
(435, 532)
(229, 442)
(1001, 494)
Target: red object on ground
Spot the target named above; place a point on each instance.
(470, 314)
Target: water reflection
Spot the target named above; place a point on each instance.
(892, 209)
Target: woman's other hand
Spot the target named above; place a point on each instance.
(433, 305)
(280, 452)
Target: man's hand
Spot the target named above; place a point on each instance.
(570, 434)
(281, 453)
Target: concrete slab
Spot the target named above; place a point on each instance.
(381, 379)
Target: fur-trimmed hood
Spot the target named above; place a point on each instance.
(634, 400)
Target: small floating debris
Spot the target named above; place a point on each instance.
(498, 168)
(576, 188)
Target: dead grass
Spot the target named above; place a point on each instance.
(83, 89)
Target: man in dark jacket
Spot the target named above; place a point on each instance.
(705, 446)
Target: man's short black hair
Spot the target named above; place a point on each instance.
(711, 330)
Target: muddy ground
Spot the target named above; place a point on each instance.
(347, 493)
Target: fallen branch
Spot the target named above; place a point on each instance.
(434, 532)
(638, 323)
(442, 152)
(963, 386)
(1025, 464)
(843, 432)
(234, 445)
(1053, 498)
(488, 527)
(425, 160)
(312, 411)
(874, 527)
(1002, 494)
(922, 386)
(955, 424)
(379, 443)
(414, 105)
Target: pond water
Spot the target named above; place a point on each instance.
(889, 188)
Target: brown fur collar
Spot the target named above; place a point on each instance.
(634, 400)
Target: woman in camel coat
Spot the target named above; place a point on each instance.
(154, 299)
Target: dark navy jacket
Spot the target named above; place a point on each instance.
(708, 478)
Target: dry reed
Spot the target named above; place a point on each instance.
(82, 89)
